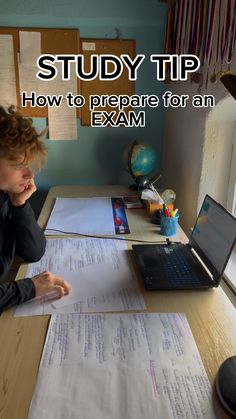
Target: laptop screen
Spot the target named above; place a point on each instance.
(214, 233)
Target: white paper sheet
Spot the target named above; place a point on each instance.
(121, 366)
(28, 81)
(58, 86)
(82, 215)
(30, 47)
(7, 71)
(98, 271)
(62, 119)
(30, 50)
(62, 122)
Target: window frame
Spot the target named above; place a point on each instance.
(231, 207)
(231, 196)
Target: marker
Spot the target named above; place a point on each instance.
(167, 214)
(52, 295)
(176, 211)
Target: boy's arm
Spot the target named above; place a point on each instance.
(30, 240)
(16, 292)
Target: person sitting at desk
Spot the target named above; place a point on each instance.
(21, 148)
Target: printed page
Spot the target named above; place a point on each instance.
(121, 366)
(99, 273)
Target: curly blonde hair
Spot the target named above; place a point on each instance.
(19, 138)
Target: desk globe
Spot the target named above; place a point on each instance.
(141, 161)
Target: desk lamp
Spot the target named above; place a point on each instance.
(143, 182)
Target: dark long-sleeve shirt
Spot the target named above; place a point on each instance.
(21, 235)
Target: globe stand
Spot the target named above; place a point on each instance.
(133, 187)
(141, 183)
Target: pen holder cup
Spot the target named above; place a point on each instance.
(169, 225)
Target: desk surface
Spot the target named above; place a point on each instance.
(211, 316)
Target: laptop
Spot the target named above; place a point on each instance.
(197, 264)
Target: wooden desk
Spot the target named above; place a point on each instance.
(211, 316)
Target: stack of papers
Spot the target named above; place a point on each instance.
(121, 366)
(99, 273)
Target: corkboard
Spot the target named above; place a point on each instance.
(53, 41)
(15, 34)
(121, 86)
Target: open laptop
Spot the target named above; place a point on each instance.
(198, 264)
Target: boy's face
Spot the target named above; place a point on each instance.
(15, 176)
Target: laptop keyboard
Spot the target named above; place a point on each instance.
(178, 269)
(174, 266)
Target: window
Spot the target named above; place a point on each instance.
(230, 272)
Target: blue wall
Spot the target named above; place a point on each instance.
(96, 157)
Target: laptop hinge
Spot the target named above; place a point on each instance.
(195, 254)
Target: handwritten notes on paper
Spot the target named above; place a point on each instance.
(121, 366)
(62, 119)
(62, 122)
(30, 50)
(7, 71)
(30, 47)
(98, 271)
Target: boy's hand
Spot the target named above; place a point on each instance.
(18, 199)
(47, 282)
